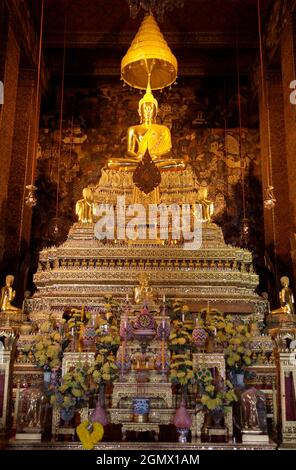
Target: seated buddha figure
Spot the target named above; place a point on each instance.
(7, 296)
(286, 298)
(144, 291)
(148, 136)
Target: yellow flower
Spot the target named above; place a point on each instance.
(106, 377)
(89, 438)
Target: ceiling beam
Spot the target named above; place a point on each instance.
(218, 39)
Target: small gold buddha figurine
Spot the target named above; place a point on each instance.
(148, 136)
(7, 296)
(207, 204)
(84, 207)
(286, 299)
(144, 291)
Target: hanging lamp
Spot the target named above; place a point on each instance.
(57, 225)
(31, 199)
(149, 55)
(269, 198)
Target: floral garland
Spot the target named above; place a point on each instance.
(90, 434)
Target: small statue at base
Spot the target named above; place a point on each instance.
(7, 296)
(207, 204)
(84, 207)
(254, 411)
(144, 291)
(286, 299)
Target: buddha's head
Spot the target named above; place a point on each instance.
(148, 107)
(144, 280)
(9, 280)
(87, 194)
(285, 281)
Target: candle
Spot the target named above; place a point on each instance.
(162, 355)
(163, 298)
(183, 317)
(163, 323)
(127, 297)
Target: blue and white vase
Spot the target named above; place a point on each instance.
(141, 408)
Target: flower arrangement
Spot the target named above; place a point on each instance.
(104, 369)
(214, 393)
(233, 336)
(74, 390)
(77, 320)
(180, 339)
(178, 310)
(90, 434)
(108, 337)
(47, 351)
(181, 370)
(112, 309)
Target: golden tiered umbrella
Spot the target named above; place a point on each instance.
(149, 56)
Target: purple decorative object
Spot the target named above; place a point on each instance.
(99, 415)
(145, 320)
(89, 335)
(163, 330)
(126, 330)
(182, 418)
(199, 336)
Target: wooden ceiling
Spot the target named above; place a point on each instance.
(202, 34)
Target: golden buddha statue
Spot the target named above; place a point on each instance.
(286, 299)
(84, 207)
(148, 136)
(206, 203)
(7, 296)
(144, 291)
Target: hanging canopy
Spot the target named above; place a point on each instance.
(149, 53)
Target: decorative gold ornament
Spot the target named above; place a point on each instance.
(84, 207)
(269, 200)
(31, 199)
(147, 176)
(149, 54)
(7, 296)
(157, 6)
